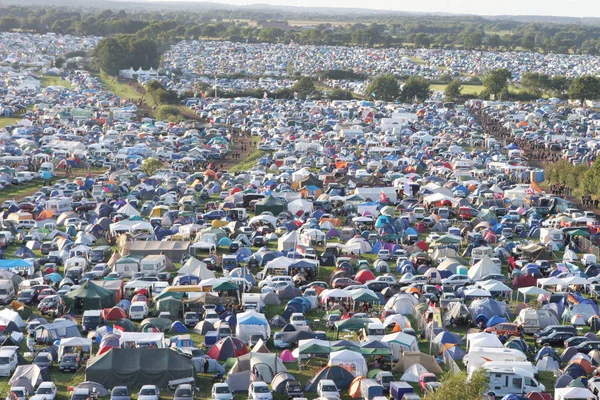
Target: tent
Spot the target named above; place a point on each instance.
(138, 367)
(66, 345)
(10, 315)
(280, 380)
(272, 204)
(573, 393)
(413, 373)
(227, 348)
(90, 296)
(350, 360)
(48, 333)
(252, 323)
(339, 375)
(483, 267)
(264, 365)
(400, 342)
(28, 376)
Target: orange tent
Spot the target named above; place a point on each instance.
(354, 389)
(210, 172)
(587, 366)
(46, 214)
(397, 328)
(413, 290)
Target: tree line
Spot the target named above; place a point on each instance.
(377, 30)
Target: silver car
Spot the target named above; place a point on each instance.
(149, 392)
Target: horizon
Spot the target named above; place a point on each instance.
(508, 8)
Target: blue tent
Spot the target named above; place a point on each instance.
(456, 352)
(495, 320)
(7, 264)
(178, 327)
(224, 242)
(54, 277)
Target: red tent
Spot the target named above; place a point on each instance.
(422, 245)
(227, 348)
(113, 314)
(524, 281)
(364, 275)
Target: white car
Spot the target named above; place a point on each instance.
(259, 390)
(149, 392)
(20, 392)
(457, 280)
(327, 388)
(221, 391)
(387, 278)
(384, 254)
(278, 341)
(8, 360)
(212, 317)
(46, 390)
(298, 320)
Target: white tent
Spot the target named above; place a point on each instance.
(129, 210)
(547, 364)
(135, 339)
(288, 241)
(485, 266)
(67, 344)
(252, 323)
(397, 319)
(300, 205)
(196, 267)
(401, 303)
(413, 373)
(10, 315)
(573, 393)
(532, 291)
(483, 339)
(349, 360)
(399, 342)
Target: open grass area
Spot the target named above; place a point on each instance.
(17, 192)
(4, 122)
(49, 80)
(466, 89)
(248, 163)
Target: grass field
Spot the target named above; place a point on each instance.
(4, 122)
(48, 80)
(466, 89)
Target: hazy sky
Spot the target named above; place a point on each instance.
(572, 8)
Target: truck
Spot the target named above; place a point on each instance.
(253, 301)
(511, 380)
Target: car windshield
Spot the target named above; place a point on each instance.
(4, 360)
(120, 392)
(147, 392)
(222, 389)
(261, 389)
(329, 388)
(41, 358)
(69, 359)
(44, 390)
(183, 393)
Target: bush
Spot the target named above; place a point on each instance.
(168, 113)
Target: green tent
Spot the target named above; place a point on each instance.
(226, 286)
(90, 296)
(170, 304)
(352, 324)
(272, 204)
(579, 232)
(138, 367)
(169, 295)
(316, 347)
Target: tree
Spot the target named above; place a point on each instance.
(453, 90)
(416, 87)
(494, 41)
(474, 40)
(497, 81)
(559, 84)
(584, 88)
(340, 94)
(150, 165)
(528, 42)
(304, 87)
(384, 87)
(109, 55)
(460, 387)
(535, 82)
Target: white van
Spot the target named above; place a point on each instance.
(512, 380)
(26, 224)
(525, 365)
(7, 291)
(479, 355)
(373, 331)
(138, 310)
(8, 360)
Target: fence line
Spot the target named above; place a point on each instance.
(586, 244)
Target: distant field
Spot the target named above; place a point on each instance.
(317, 22)
(49, 80)
(466, 89)
(9, 121)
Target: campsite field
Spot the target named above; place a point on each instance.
(48, 80)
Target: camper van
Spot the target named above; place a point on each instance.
(59, 206)
(511, 380)
(373, 331)
(229, 262)
(92, 319)
(138, 310)
(153, 264)
(100, 254)
(480, 355)
(525, 365)
(7, 291)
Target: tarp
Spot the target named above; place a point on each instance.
(138, 367)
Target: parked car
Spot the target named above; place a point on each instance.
(327, 388)
(293, 389)
(149, 392)
(259, 390)
(221, 391)
(425, 378)
(554, 339)
(120, 393)
(69, 362)
(185, 391)
(47, 390)
(504, 329)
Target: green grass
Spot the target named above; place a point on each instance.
(249, 162)
(49, 80)
(17, 192)
(466, 89)
(4, 122)
(123, 89)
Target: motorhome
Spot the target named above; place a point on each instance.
(480, 355)
(153, 264)
(59, 206)
(512, 380)
(7, 291)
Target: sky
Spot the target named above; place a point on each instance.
(570, 8)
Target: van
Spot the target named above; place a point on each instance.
(91, 320)
(229, 262)
(138, 310)
(8, 360)
(511, 380)
(7, 291)
(373, 331)
(479, 355)
(370, 388)
(26, 224)
(100, 254)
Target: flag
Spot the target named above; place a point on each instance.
(572, 299)
(382, 197)
(511, 262)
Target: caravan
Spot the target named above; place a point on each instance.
(511, 380)
(153, 264)
(480, 355)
